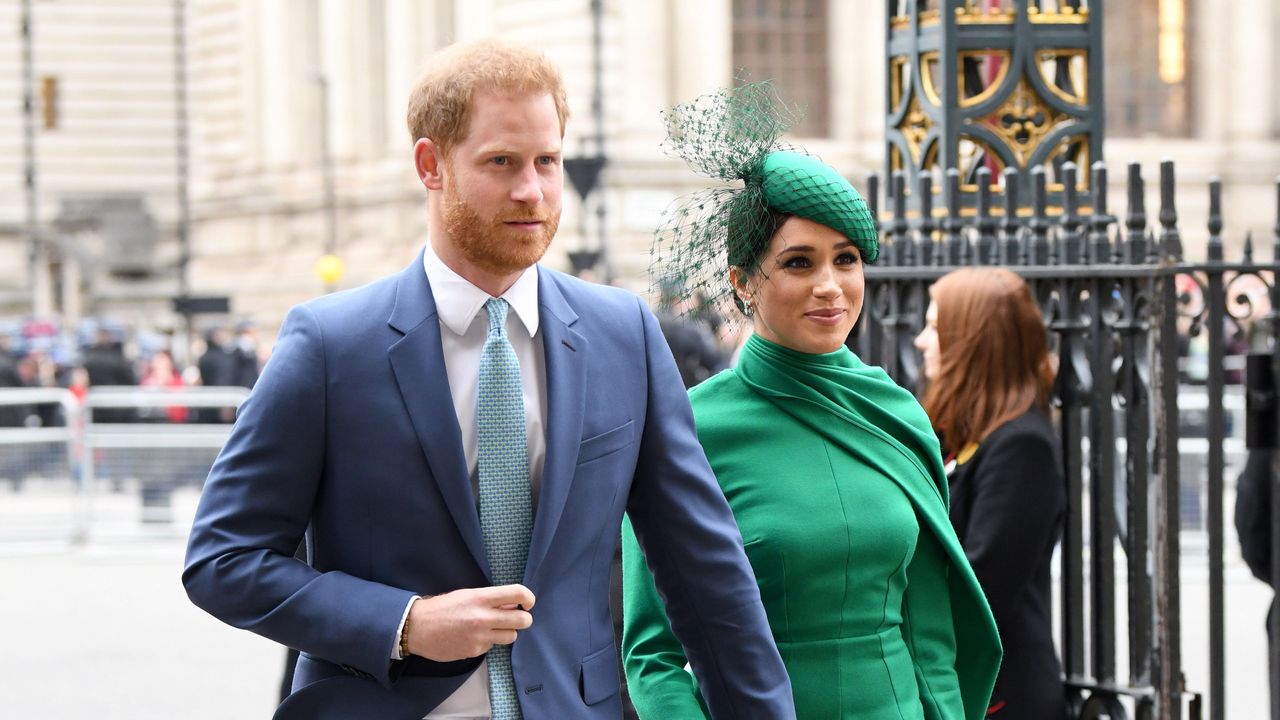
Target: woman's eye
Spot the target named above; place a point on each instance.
(847, 258)
(798, 261)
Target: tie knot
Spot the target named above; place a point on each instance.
(497, 309)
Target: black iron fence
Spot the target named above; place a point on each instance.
(1125, 310)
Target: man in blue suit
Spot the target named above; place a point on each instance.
(458, 443)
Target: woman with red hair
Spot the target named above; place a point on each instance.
(990, 374)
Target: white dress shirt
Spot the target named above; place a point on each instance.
(463, 327)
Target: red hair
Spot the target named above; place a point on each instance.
(440, 102)
(993, 352)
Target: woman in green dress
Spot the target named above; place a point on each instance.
(832, 470)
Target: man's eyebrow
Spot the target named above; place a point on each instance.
(506, 150)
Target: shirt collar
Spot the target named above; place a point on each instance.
(458, 301)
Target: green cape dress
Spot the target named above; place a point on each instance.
(835, 478)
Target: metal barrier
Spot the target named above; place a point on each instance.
(155, 437)
(37, 451)
(73, 467)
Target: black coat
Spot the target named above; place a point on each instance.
(11, 415)
(694, 348)
(1253, 514)
(106, 365)
(1253, 521)
(219, 366)
(1008, 502)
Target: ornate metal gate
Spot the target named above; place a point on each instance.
(1121, 302)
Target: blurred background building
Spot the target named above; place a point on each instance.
(282, 121)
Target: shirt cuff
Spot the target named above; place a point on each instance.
(404, 618)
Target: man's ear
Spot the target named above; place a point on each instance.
(429, 162)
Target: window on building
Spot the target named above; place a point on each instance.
(1148, 68)
(786, 41)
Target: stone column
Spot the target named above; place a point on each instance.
(1275, 58)
(649, 69)
(406, 24)
(352, 57)
(272, 106)
(702, 47)
(1250, 73)
(337, 41)
(857, 74)
(1212, 60)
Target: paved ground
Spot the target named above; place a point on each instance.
(105, 631)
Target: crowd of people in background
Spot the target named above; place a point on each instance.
(702, 341)
(111, 356)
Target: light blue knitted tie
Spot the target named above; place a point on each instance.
(506, 512)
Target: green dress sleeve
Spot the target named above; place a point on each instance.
(928, 631)
(652, 657)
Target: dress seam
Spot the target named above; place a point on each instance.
(884, 614)
(848, 560)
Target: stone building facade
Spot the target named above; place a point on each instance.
(262, 75)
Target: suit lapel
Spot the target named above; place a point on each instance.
(565, 351)
(418, 363)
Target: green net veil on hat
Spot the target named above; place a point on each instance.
(733, 135)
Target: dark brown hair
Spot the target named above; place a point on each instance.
(994, 361)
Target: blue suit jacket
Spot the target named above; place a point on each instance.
(350, 436)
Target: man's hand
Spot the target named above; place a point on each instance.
(466, 623)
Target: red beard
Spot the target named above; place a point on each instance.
(492, 245)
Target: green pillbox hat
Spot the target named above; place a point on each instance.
(803, 185)
(734, 135)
